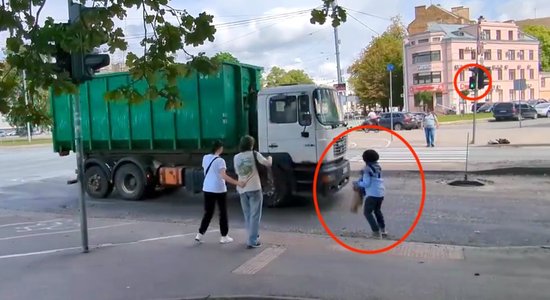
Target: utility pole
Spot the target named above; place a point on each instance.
(479, 50)
(337, 46)
(405, 78)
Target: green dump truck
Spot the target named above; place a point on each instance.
(137, 148)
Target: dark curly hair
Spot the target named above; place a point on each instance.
(370, 156)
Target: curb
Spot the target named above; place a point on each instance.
(240, 297)
(514, 145)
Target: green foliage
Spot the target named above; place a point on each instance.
(542, 33)
(278, 76)
(31, 47)
(369, 78)
(225, 57)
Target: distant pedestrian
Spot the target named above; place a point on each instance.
(215, 191)
(251, 196)
(430, 124)
(373, 187)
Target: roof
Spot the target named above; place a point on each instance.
(295, 88)
(455, 32)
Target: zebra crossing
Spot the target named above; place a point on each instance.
(426, 155)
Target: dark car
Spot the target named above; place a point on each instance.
(486, 108)
(401, 120)
(508, 110)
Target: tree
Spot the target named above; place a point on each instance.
(542, 33)
(369, 77)
(32, 46)
(424, 99)
(225, 57)
(278, 76)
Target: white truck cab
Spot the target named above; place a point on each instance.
(295, 125)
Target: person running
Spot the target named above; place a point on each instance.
(251, 195)
(373, 186)
(215, 191)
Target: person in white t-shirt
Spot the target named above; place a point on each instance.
(251, 195)
(430, 124)
(215, 191)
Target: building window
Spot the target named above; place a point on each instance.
(521, 55)
(522, 73)
(531, 73)
(511, 74)
(532, 94)
(499, 35)
(487, 55)
(437, 39)
(512, 95)
(511, 35)
(461, 54)
(500, 96)
(428, 56)
(499, 74)
(462, 76)
(473, 54)
(531, 54)
(543, 82)
(486, 34)
(426, 78)
(423, 41)
(511, 54)
(499, 54)
(522, 95)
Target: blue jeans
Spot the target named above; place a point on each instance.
(430, 136)
(251, 203)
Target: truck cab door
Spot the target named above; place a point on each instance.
(289, 127)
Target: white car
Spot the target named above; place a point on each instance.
(543, 109)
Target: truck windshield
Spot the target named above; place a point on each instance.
(327, 107)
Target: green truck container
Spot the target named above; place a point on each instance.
(137, 148)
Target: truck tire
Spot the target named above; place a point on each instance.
(97, 183)
(280, 193)
(129, 182)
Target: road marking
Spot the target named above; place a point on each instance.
(101, 245)
(25, 223)
(61, 232)
(401, 155)
(260, 261)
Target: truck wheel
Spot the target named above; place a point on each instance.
(278, 194)
(129, 182)
(96, 183)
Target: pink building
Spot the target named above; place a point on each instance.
(433, 58)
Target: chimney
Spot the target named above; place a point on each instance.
(419, 11)
(461, 11)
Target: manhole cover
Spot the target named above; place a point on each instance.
(466, 183)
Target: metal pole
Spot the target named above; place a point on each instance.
(520, 116)
(467, 156)
(391, 103)
(80, 164)
(406, 78)
(478, 53)
(337, 46)
(29, 133)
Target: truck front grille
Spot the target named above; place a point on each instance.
(341, 146)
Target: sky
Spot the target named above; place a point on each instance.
(278, 33)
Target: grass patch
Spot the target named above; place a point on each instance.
(467, 117)
(23, 142)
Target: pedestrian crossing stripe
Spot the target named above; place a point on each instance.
(432, 155)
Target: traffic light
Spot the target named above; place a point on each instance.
(472, 84)
(482, 78)
(80, 66)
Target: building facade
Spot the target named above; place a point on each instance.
(545, 85)
(433, 58)
(436, 14)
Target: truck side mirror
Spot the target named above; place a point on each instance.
(305, 119)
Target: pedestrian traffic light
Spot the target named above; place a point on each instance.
(482, 78)
(472, 84)
(80, 66)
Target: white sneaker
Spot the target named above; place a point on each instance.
(226, 239)
(198, 238)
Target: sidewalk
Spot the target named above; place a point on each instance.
(165, 263)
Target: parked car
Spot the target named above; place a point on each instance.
(543, 109)
(486, 108)
(508, 110)
(401, 120)
(477, 105)
(535, 102)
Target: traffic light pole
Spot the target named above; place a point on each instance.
(476, 90)
(80, 161)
